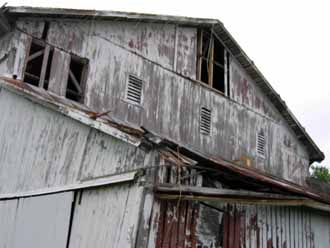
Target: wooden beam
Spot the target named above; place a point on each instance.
(44, 66)
(216, 192)
(36, 55)
(75, 82)
(200, 55)
(210, 62)
(59, 73)
(182, 192)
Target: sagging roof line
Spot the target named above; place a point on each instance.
(76, 111)
(254, 174)
(222, 33)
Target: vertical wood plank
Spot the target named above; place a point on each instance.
(59, 72)
(44, 66)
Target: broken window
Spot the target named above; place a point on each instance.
(213, 63)
(77, 74)
(37, 69)
(41, 63)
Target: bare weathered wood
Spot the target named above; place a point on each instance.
(194, 190)
(200, 55)
(75, 82)
(36, 55)
(210, 62)
(44, 66)
(36, 221)
(59, 72)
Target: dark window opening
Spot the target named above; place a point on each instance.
(219, 67)
(213, 63)
(205, 54)
(228, 73)
(49, 64)
(34, 64)
(74, 90)
(39, 67)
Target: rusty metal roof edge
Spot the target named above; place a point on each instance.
(304, 202)
(255, 174)
(47, 101)
(315, 153)
(106, 14)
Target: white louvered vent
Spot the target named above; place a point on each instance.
(205, 121)
(134, 89)
(261, 144)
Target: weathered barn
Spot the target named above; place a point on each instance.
(135, 130)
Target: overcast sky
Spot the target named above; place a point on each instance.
(289, 41)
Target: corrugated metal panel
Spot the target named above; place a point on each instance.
(36, 222)
(107, 217)
(237, 226)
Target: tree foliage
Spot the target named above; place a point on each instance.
(322, 173)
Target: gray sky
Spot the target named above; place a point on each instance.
(289, 41)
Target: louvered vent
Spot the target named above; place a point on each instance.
(261, 144)
(205, 121)
(134, 89)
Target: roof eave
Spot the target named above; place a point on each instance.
(107, 15)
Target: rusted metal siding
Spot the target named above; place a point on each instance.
(36, 222)
(41, 148)
(171, 103)
(107, 217)
(214, 224)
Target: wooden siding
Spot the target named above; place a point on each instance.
(107, 217)
(41, 148)
(36, 222)
(170, 104)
